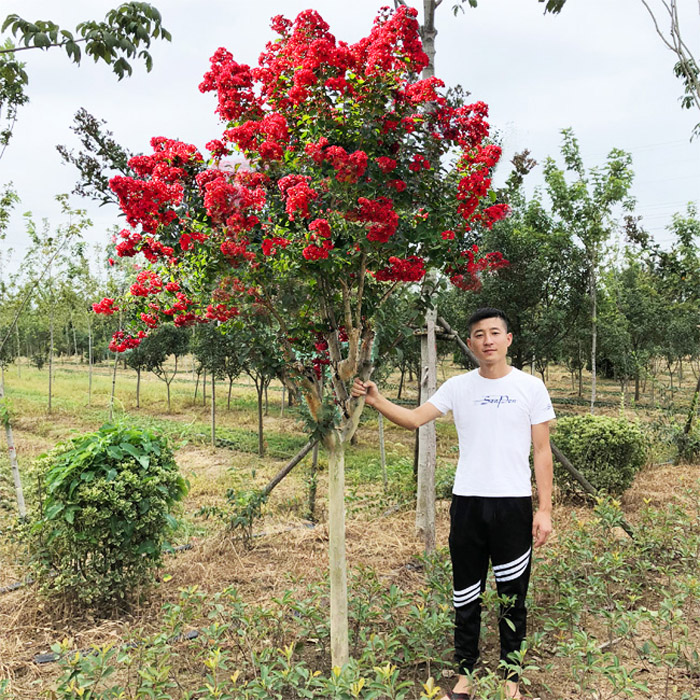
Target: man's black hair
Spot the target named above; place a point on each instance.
(487, 312)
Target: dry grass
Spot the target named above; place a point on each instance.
(288, 551)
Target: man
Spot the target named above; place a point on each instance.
(499, 412)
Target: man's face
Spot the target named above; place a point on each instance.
(489, 341)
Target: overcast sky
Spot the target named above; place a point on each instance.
(598, 67)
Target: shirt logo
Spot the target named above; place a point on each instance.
(494, 400)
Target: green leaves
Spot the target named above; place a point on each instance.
(106, 513)
(123, 36)
(608, 451)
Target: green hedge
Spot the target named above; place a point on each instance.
(608, 451)
(105, 514)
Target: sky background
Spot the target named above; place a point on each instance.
(598, 67)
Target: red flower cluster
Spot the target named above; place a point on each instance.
(151, 320)
(234, 85)
(297, 194)
(221, 312)
(270, 246)
(424, 91)
(317, 252)
(386, 165)
(227, 200)
(379, 212)
(419, 162)
(147, 282)
(321, 359)
(122, 341)
(235, 249)
(393, 45)
(467, 275)
(106, 306)
(187, 238)
(321, 227)
(168, 160)
(147, 202)
(268, 136)
(411, 269)
(350, 167)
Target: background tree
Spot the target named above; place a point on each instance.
(260, 358)
(666, 19)
(586, 207)
(125, 34)
(541, 288)
(47, 259)
(168, 340)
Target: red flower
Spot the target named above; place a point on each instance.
(409, 270)
(398, 185)
(321, 227)
(106, 306)
(386, 165)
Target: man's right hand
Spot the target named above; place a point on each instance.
(367, 389)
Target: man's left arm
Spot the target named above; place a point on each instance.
(542, 459)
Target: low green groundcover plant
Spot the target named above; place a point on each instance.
(608, 451)
(106, 513)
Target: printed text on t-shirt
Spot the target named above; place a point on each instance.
(494, 400)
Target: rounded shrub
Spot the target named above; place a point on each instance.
(607, 451)
(687, 443)
(105, 516)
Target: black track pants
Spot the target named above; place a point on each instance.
(499, 530)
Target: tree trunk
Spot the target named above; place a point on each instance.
(89, 364)
(204, 387)
(213, 409)
(382, 451)
(261, 444)
(338, 565)
(12, 453)
(75, 340)
(114, 385)
(228, 400)
(403, 374)
(692, 411)
(284, 391)
(425, 495)
(594, 333)
(580, 382)
(19, 352)
(138, 387)
(313, 484)
(50, 359)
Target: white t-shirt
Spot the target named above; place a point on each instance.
(493, 418)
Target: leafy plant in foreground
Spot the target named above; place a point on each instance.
(105, 514)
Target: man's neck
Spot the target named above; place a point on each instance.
(495, 371)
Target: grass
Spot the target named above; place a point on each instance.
(589, 594)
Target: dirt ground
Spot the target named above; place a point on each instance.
(285, 551)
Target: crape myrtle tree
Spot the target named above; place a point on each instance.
(336, 193)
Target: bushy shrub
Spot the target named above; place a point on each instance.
(105, 515)
(607, 451)
(687, 444)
